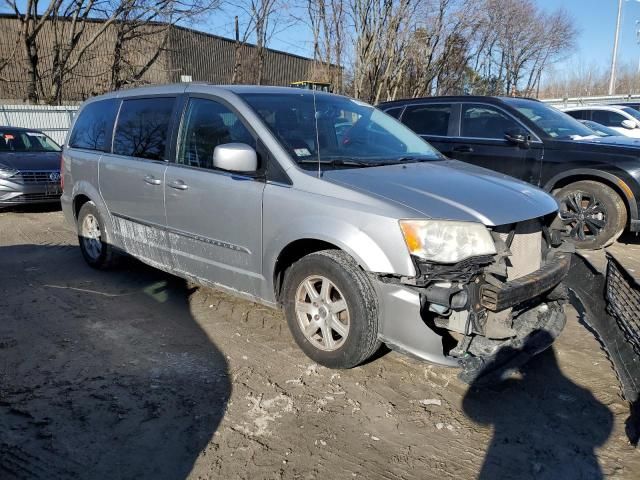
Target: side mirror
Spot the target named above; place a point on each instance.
(630, 124)
(235, 157)
(517, 137)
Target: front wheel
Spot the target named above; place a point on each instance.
(331, 309)
(591, 213)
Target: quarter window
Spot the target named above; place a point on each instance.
(608, 118)
(143, 128)
(94, 126)
(206, 125)
(394, 112)
(428, 119)
(484, 121)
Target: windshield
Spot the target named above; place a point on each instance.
(599, 129)
(26, 141)
(631, 111)
(552, 121)
(337, 130)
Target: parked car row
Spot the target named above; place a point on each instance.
(362, 231)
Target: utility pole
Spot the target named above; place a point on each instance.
(612, 78)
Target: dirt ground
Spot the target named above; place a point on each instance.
(134, 374)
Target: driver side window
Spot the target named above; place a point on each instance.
(484, 121)
(206, 125)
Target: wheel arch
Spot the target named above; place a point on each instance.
(616, 183)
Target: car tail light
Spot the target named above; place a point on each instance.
(62, 172)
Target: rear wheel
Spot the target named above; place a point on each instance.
(591, 213)
(91, 237)
(331, 309)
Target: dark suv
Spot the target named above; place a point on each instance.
(597, 185)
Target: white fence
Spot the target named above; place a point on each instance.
(52, 120)
(600, 100)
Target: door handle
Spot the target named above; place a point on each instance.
(463, 149)
(151, 180)
(178, 185)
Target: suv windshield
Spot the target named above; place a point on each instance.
(337, 130)
(552, 121)
(26, 141)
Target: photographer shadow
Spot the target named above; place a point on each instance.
(545, 426)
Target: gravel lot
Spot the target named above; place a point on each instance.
(134, 374)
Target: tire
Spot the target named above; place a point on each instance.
(341, 319)
(91, 238)
(591, 213)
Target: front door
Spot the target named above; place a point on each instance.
(132, 178)
(482, 142)
(214, 217)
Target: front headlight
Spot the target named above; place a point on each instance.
(446, 241)
(7, 172)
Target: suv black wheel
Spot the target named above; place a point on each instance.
(331, 309)
(95, 250)
(592, 214)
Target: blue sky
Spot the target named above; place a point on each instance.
(595, 20)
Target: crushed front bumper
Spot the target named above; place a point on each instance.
(534, 304)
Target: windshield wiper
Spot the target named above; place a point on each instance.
(337, 162)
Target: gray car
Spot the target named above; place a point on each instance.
(325, 207)
(29, 167)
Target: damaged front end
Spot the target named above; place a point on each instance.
(510, 301)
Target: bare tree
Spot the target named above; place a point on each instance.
(327, 22)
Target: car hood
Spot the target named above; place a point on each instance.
(23, 161)
(450, 190)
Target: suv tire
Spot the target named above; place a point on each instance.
(95, 250)
(331, 308)
(593, 209)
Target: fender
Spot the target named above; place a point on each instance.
(611, 178)
(346, 236)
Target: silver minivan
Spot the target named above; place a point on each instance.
(327, 208)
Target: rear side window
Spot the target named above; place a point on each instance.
(484, 121)
(143, 127)
(93, 128)
(428, 119)
(579, 114)
(607, 118)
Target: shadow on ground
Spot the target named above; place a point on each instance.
(524, 440)
(103, 375)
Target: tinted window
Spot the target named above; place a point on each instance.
(94, 126)
(608, 119)
(208, 124)
(428, 119)
(26, 141)
(143, 128)
(579, 114)
(484, 121)
(394, 112)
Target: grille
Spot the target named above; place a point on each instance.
(526, 248)
(32, 197)
(623, 303)
(36, 177)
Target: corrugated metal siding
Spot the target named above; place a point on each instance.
(54, 121)
(207, 58)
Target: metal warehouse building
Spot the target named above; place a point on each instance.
(184, 53)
